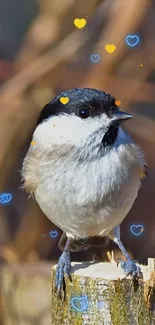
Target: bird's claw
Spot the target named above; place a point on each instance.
(130, 268)
(63, 267)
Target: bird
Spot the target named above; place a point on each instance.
(84, 171)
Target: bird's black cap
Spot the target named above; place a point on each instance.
(98, 101)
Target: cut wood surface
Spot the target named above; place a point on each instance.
(101, 295)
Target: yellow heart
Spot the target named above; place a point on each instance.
(80, 23)
(118, 102)
(110, 48)
(64, 100)
(33, 143)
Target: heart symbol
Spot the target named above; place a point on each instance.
(132, 40)
(95, 58)
(82, 240)
(137, 229)
(5, 198)
(80, 22)
(117, 102)
(110, 48)
(53, 233)
(100, 304)
(33, 143)
(79, 304)
(64, 100)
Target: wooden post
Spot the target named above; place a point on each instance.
(101, 295)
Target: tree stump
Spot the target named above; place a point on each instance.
(26, 294)
(101, 295)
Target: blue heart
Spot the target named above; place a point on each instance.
(135, 231)
(95, 58)
(100, 304)
(5, 198)
(132, 40)
(53, 233)
(79, 303)
(82, 240)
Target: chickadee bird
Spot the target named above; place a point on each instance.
(84, 170)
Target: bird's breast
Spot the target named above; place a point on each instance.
(91, 198)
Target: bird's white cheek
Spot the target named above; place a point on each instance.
(69, 129)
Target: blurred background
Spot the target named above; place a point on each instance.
(41, 54)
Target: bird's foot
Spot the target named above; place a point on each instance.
(130, 268)
(63, 267)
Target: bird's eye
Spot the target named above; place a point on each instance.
(84, 112)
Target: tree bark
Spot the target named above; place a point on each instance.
(101, 295)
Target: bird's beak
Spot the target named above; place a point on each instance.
(119, 116)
